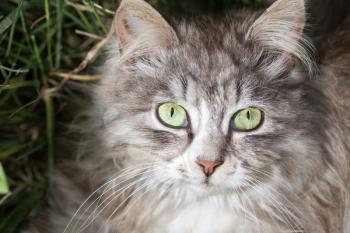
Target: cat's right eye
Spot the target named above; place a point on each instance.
(172, 115)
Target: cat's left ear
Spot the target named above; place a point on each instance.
(279, 30)
(137, 22)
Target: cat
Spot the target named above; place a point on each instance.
(226, 125)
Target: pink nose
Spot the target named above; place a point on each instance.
(209, 166)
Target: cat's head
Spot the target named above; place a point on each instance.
(212, 105)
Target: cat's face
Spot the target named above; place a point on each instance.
(209, 116)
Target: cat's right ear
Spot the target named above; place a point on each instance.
(137, 23)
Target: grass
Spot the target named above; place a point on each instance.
(39, 38)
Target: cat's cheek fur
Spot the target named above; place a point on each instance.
(230, 176)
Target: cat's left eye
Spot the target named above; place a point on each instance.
(172, 115)
(247, 119)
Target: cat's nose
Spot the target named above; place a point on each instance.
(209, 165)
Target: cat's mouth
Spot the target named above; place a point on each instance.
(207, 183)
(203, 186)
(206, 186)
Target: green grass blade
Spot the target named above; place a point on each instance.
(7, 21)
(4, 187)
(14, 70)
(48, 34)
(9, 45)
(97, 17)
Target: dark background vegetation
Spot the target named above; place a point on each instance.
(37, 39)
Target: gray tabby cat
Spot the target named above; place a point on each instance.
(225, 126)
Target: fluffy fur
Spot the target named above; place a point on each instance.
(289, 175)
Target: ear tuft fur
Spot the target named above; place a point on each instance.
(137, 22)
(279, 30)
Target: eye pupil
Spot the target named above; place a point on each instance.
(248, 115)
(172, 111)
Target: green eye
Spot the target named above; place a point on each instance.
(247, 119)
(172, 115)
